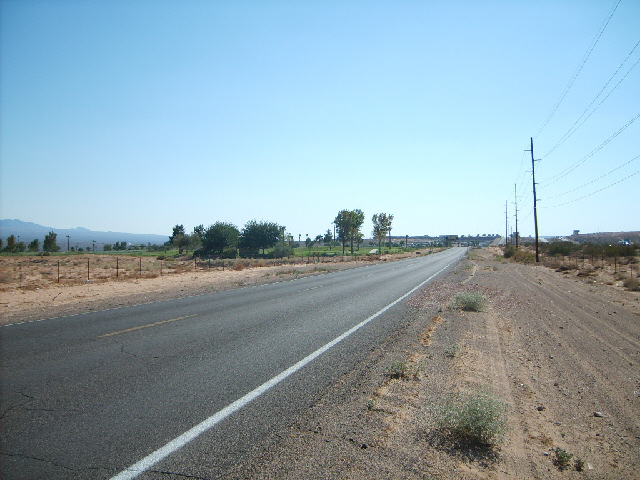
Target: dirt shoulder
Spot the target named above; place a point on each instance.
(563, 354)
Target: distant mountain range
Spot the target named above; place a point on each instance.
(78, 237)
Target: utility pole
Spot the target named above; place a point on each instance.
(535, 202)
(506, 225)
(515, 191)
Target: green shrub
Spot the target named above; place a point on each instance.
(524, 256)
(560, 248)
(399, 369)
(562, 459)
(470, 301)
(509, 251)
(473, 418)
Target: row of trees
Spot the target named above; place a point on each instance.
(13, 246)
(50, 245)
(226, 239)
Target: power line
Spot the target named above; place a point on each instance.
(577, 125)
(595, 179)
(597, 191)
(568, 170)
(577, 72)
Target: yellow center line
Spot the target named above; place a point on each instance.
(133, 329)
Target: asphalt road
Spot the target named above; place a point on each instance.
(194, 386)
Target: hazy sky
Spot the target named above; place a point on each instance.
(137, 115)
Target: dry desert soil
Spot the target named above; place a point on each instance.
(562, 352)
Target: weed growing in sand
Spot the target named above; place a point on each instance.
(473, 418)
(401, 370)
(451, 351)
(562, 458)
(470, 301)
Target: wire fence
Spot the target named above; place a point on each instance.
(40, 272)
(589, 265)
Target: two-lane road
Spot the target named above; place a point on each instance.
(189, 386)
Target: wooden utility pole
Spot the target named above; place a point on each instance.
(506, 225)
(535, 202)
(515, 191)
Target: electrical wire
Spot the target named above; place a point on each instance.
(595, 179)
(577, 72)
(577, 125)
(570, 169)
(593, 193)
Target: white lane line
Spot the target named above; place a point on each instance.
(177, 443)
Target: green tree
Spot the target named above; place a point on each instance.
(348, 224)
(219, 237)
(281, 250)
(328, 238)
(51, 242)
(259, 235)
(179, 238)
(343, 222)
(120, 246)
(34, 246)
(195, 239)
(11, 243)
(178, 231)
(358, 221)
(381, 226)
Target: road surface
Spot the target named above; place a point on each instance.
(194, 386)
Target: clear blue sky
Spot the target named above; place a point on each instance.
(137, 115)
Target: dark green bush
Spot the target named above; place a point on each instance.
(560, 248)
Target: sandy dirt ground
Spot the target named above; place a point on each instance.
(561, 350)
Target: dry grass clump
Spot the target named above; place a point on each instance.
(470, 301)
(632, 284)
(474, 419)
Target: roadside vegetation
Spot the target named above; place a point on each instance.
(470, 301)
(224, 240)
(472, 419)
(586, 260)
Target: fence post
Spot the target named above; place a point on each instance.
(88, 280)
(58, 271)
(117, 267)
(140, 272)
